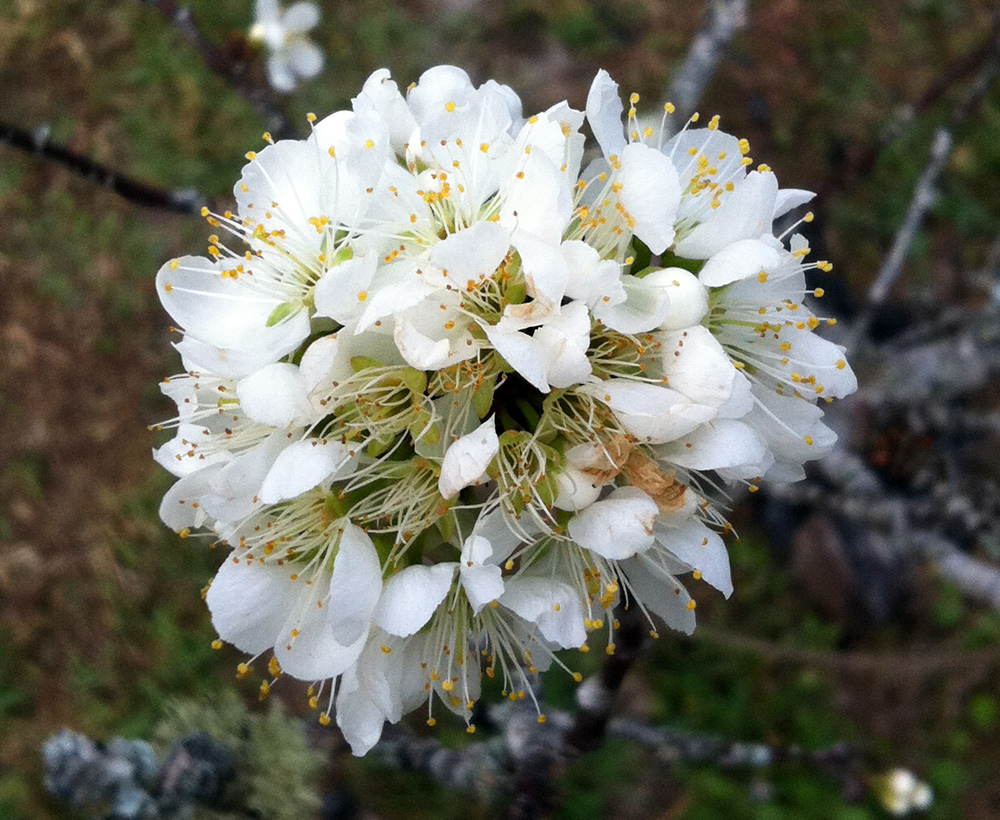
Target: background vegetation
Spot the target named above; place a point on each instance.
(101, 622)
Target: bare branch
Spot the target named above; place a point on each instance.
(725, 18)
(184, 200)
(924, 196)
(235, 72)
(975, 579)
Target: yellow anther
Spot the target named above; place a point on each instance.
(486, 147)
(818, 293)
(762, 277)
(216, 644)
(362, 295)
(471, 728)
(691, 604)
(713, 123)
(841, 364)
(449, 106)
(324, 719)
(274, 667)
(808, 440)
(669, 107)
(310, 117)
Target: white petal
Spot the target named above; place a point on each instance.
(788, 199)
(355, 586)
(649, 412)
(745, 214)
(618, 526)
(537, 200)
(313, 651)
(520, 351)
(359, 719)
(742, 259)
(688, 299)
(342, 291)
(650, 194)
(301, 16)
(724, 443)
(696, 365)
(698, 547)
(301, 466)
(472, 254)
(467, 458)
(564, 340)
(411, 597)
(482, 581)
(646, 305)
(180, 456)
(250, 603)
(660, 592)
(575, 489)
(604, 113)
(318, 359)
(306, 59)
(245, 355)
(550, 604)
(180, 508)
(544, 266)
(593, 280)
(275, 395)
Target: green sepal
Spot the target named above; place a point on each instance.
(642, 256)
(415, 380)
(344, 252)
(280, 312)
(482, 399)
(672, 260)
(359, 363)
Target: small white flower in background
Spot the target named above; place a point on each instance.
(900, 792)
(291, 56)
(443, 419)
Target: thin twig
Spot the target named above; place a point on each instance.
(235, 72)
(954, 73)
(924, 196)
(184, 201)
(725, 18)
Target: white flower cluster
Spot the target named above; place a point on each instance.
(446, 414)
(901, 793)
(291, 56)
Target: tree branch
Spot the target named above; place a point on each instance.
(183, 201)
(725, 18)
(924, 195)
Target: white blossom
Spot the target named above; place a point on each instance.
(439, 414)
(291, 56)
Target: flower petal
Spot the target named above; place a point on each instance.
(467, 458)
(618, 526)
(303, 465)
(604, 113)
(411, 597)
(275, 396)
